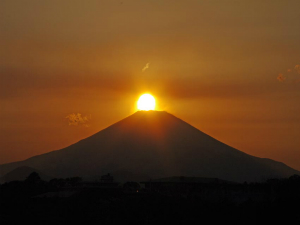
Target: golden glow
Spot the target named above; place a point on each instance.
(146, 102)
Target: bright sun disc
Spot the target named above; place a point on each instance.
(146, 102)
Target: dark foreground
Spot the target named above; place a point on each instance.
(71, 201)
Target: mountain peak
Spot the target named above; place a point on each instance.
(154, 144)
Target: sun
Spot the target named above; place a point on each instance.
(146, 102)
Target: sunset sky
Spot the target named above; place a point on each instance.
(227, 67)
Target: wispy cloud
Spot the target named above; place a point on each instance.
(76, 119)
(146, 67)
(297, 68)
(281, 78)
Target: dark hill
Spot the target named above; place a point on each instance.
(191, 180)
(154, 144)
(21, 173)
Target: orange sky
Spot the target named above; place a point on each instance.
(213, 63)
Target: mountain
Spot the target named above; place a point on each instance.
(191, 180)
(21, 173)
(154, 144)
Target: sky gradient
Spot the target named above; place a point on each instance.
(213, 64)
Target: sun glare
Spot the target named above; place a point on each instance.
(146, 102)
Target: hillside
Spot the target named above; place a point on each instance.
(154, 144)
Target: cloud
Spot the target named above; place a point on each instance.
(297, 68)
(76, 119)
(25, 83)
(281, 78)
(146, 67)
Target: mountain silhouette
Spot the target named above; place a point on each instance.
(153, 144)
(21, 173)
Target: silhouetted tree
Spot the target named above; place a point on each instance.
(33, 178)
(295, 178)
(74, 181)
(57, 183)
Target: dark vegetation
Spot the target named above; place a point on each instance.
(68, 201)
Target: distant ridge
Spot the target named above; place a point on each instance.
(194, 180)
(21, 173)
(154, 144)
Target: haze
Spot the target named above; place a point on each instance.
(212, 63)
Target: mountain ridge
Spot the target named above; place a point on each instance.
(155, 144)
(21, 173)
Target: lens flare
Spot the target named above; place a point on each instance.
(146, 102)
